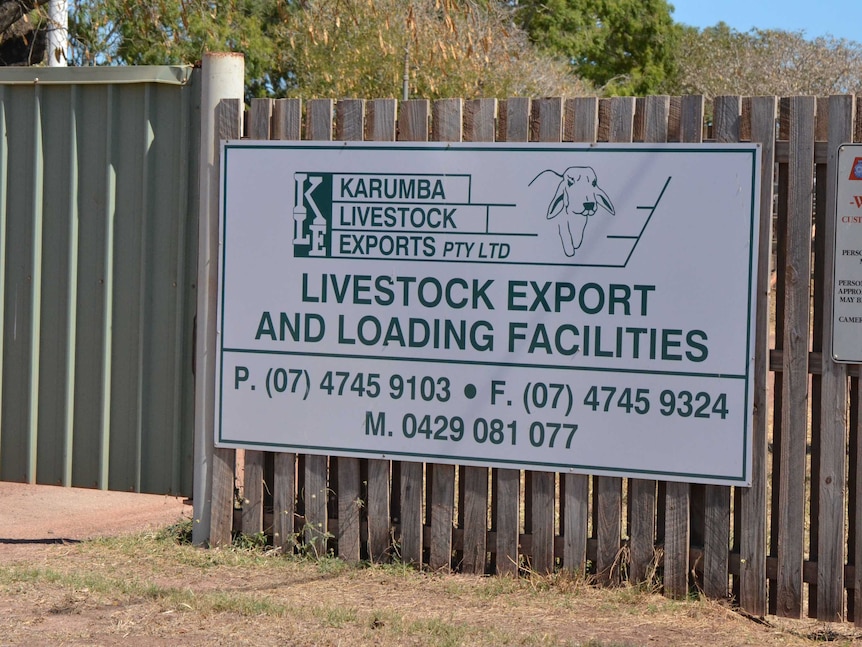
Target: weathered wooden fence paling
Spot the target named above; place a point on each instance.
(711, 537)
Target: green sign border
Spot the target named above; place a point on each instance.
(753, 150)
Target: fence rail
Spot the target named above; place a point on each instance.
(793, 537)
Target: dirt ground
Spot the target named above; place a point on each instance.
(137, 589)
(40, 515)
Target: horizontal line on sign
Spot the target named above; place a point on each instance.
(375, 174)
(425, 203)
(589, 369)
(323, 449)
(465, 260)
(624, 237)
(562, 148)
(431, 231)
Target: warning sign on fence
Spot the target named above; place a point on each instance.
(553, 307)
(847, 286)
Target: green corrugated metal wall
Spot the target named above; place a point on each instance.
(98, 240)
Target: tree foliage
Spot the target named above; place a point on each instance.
(466, 48)
(163, 32)
(334, 48)
(22, 32)
(720, 60)
(621, 46)
(447, 48)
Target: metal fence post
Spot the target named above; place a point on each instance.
(222, 78)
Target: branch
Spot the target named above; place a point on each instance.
(11, 11)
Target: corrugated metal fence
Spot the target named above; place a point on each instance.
(98, 236)
(790, 544)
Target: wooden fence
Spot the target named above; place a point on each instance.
(801, 521)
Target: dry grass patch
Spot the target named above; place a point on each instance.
(151, 589)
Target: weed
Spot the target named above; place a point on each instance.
(238, 603)
(330, 565)
(438, 632)
(335, 617)
(493, 587)
(397, 568)
(558, 581)
(389, 621)
(310, 542)
(256, 541)
(178, 533)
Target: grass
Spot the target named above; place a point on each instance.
(335, 616)
(160, 586)
(120, 590)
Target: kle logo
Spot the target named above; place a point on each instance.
(312, 213)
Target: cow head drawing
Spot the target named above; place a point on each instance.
(576, 200)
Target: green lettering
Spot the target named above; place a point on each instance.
(394, 333)
(514, 333)
(514, 294)
(667, 343)
(619, 299)
(265, 327)
(540, 340)
(693, 338)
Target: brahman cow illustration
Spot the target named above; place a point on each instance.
(577, 199)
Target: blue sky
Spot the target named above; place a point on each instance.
(840, 18)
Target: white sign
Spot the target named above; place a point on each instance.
(847, 288)
(577, 308)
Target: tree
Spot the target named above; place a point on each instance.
(333, 48)
(448, 49)
(720, 60)
(165, 32)
(621, 46)
(22, 32)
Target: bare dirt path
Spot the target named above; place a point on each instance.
(35, 516)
